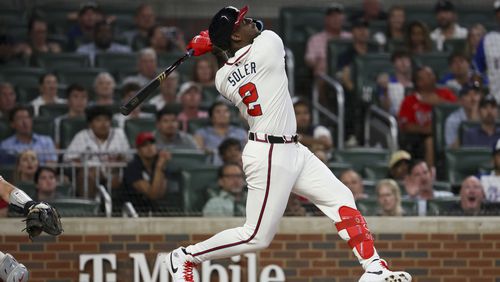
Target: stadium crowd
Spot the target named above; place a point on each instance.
(179, 153)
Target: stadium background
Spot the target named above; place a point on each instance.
(430, 248)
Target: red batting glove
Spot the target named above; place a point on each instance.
(200, 44)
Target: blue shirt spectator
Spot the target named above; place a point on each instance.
(21, 120)
(487, 133)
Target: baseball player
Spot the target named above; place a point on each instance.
(10, 269)
(275, 163)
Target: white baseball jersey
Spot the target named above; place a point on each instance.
(492, 54)
(255, 81)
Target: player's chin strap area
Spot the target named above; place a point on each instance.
(359, 236)
(11, 270)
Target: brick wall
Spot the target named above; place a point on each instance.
(438, 257)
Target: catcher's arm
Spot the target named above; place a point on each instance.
(39, 216)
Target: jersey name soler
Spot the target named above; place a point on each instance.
(242, 72)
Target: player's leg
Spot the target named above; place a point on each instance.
(271, 172)
(11, 270)
(317, 183)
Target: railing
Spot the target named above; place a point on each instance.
(318, 108)
(389, 120)
(108, 203)
(128, 210)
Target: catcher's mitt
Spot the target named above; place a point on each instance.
(43, 217)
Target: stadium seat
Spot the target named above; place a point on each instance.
(72, 207)
(84, 77)
(63, 61)
(439, 115)
(422, 14)
(334, 49)
(115, 62)
(23, 76)
(195, 124)
(410, 207)
(68, 128)
(186, 159)
(194, 183)
(437, 207)
(366, 70)
(28, 188)
(185, 69)
(375, 171)
(438, 61)
(7, 172)
(463, 162)
(44, 126)
(367, 207)
(369, 187)
(454, 45)
(442, 186)
(52, 110)
(360, 157)
(5, 129)
(338, 167)
(135, 126)
(210, 95)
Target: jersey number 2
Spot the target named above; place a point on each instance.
(249, 94)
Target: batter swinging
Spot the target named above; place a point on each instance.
(275, 163)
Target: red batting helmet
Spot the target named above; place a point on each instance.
(223, 24)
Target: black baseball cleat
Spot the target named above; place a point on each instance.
(377, 271)
(179, 266)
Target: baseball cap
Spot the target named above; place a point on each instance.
(84, 7)
(496, 5)
(487, 100)
(468, 87)
(444, 5)
(335, 8)
(223, 24)
(144, 137)
(188, 85)
(398, 156)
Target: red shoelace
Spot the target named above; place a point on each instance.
(188, 271)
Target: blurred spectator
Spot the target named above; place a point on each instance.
(470, 95)
(190, 97)
(167, 134)
(419, 183)
(389, 198)
(83, 31)
(38, 42)
(392, 88)
(360, 46)
(47, 85)
(168, 91)
(210, 137)
(487, 132)
(77, 102)
(312, 136)
(7, 99)
(354, 182)
(144, 179)
(417, 39)
(471, 199)
(10, 49)
(204, 70)
(128, 91)
(165, 39)
(147, 67)
(231, 199)
(294, 206)
(145, 19)
(104, 88)
(486, 58)
(396, 23)
(46, 184)
(230, 151)
(103, 42)
(316, 55)
(95, 146)
(491, 181)
(21, 120)
(474, 35)
(399, 165)
(372, 11)
(415, 114)
(460, 72)
(448, 28)
(26, 167)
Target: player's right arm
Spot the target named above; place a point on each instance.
(15, 196)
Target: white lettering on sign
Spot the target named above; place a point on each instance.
(142, 273)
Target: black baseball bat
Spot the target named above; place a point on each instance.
(140, 96)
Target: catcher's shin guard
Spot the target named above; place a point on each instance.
(11, 270)
(353, 228)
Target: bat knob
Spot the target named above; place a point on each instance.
(124, 110)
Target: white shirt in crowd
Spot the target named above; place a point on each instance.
(39, 101)
(438, 36)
